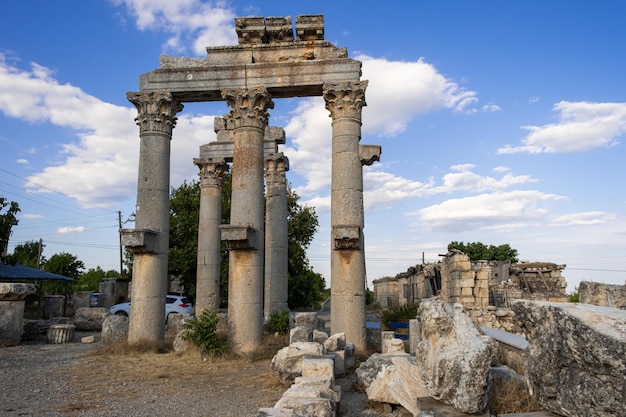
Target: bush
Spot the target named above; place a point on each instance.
(278, 322)
(401, 313)
(202, 332)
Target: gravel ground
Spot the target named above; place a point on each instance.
(77, 379)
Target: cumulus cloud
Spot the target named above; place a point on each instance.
(582, 126)
(584, 218)
(486, 210)
(100, 167)
(70, 230)
(189, 22)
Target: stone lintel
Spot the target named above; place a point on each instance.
(347, 236)
(13, 291)
(282, 79)
(238, 237)
(139, 240)
(223, 147)
(369, 154)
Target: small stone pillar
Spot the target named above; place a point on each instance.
(209, 243)
(12, 297)
(149, 242)
(344, 101)
(276, 235)
(245, 235)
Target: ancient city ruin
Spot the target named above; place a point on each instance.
(480, 325)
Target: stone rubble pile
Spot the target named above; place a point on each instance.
(310, 363)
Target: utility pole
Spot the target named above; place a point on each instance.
(119, 222)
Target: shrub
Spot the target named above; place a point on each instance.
(201, 331)
(395, 314)
(278, 322)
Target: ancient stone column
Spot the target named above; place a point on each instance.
(347, 312)
(245, 235)
(209, 242)
(149, 241)
(276, 234)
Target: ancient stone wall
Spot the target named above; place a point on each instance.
(602, 294)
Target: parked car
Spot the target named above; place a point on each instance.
(173, 304)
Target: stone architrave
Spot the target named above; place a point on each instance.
(209, 242)
(245, 234)
(149, 241)
(276, 235)
(345, 102)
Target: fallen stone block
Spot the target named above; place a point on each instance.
(576, 363)
(319, 336)
(308, 407)
(90, 318)
(453, 357)
(287, 363)
(335, 342)
(278, 412)
(114, 329)
(300, 334)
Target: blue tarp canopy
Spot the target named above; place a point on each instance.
(21, 273)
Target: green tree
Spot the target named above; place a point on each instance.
(478, 251)
(90, 280)
(28, 254)
(65, 264)
(7, 221)
(304, 284)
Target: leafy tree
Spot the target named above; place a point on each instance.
(304, 284)
(7, 221)
(90, 280)
(27, 254)
(65, 264)
(478, 251)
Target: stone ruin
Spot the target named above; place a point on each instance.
(271, 61)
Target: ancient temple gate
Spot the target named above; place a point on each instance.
(268, 63)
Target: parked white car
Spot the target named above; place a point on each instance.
(173, 304)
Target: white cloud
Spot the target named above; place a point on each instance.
(70, 230)
(491, 108)
(582, 126)
(584, 218)
(23, 161)
(28, 216)
(486, 210)
(100, 167)
(188, 22)
(399, 91)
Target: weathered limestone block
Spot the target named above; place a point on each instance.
(287, 363)
(576, 363)
(453, 357)
(602, 294)
(318, 366)
(335, 342)
(12, 297)
(114, 329)
(90, 318)
(309, 320)
(319, 336)
(393, 379)
(180, 344)
(300, 334)
(308, 407)
(396, 346)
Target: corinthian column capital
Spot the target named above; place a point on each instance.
(212, 171)
(276, 165)
(156, 110)
(248, 107)
(345, 99)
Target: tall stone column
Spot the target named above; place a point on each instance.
(347, 311)
(245, 235)
(276, 234)
(209, 242)
(149, 241)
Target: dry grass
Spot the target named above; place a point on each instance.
(509, 395)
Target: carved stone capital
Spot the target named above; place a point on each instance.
(347, 236)
(248, 107)
(156, 110)
(345, 100)
(276, 165)
(212, 171)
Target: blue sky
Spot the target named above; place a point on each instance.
(500, 122)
